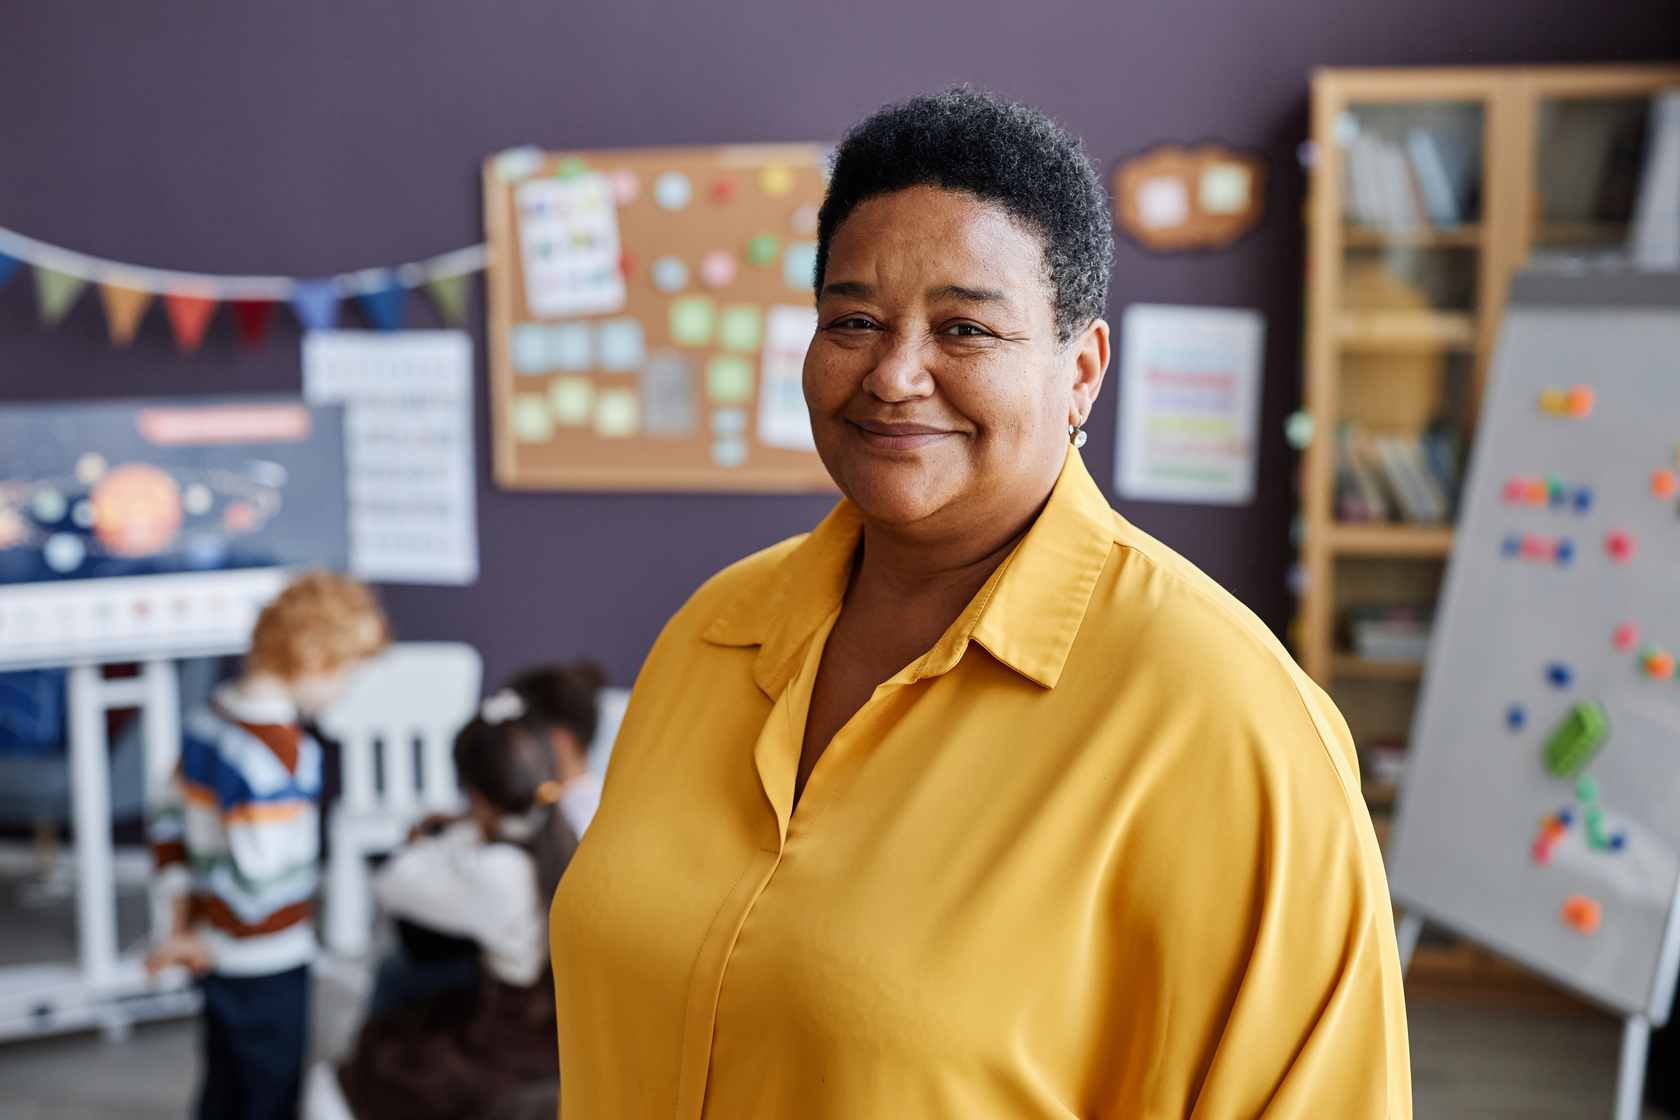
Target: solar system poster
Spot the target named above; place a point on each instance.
(128, 488)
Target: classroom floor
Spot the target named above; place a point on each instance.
(1467, 1061)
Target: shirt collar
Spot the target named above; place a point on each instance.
(256, 710)
(1027, 614)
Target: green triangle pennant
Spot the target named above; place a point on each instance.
(55, 294)
(449, 295)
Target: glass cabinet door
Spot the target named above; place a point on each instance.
(1589, 155)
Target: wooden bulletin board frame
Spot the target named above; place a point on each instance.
(746, 232)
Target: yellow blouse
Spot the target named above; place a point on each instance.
(1101, 852)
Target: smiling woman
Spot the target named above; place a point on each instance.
(975, 801)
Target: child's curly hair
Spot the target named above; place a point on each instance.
(320, 623)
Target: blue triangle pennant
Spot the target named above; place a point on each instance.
(384, 306)
(8, 265)
(315, 303)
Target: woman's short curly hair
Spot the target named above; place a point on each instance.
(1000, 152)
(320, 623)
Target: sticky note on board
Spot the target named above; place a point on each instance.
(571, 346)
(691, 321)
(528, 346)
(1224, 188)
(668, 395)
(799, 265)
(572, 401)
(531, 420)
(617, 413)
(740, 327)
(621, 345)
(728, 380)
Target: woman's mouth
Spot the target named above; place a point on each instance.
(899, 435)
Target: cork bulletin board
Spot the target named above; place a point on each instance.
(649, 315)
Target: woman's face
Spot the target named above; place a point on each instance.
(939, 395)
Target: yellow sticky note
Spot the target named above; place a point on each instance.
(728, 380)
(618, 413)
(571, 399)
(775, 180)
(1224, 188)
(531, 420)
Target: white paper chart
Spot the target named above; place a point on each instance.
(783, 420)
(1189, 403)
(568, 239)
(408, 449)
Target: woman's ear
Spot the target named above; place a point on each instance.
(1090, 363)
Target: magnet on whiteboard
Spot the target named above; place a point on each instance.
(1581, 913)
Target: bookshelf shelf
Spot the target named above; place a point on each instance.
(1351, 665)
(1347, 538)
(1407, 330)
(1361, 237)
(1402, 309)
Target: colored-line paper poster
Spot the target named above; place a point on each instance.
(407, 448)
(1189, 403)
(783, 419)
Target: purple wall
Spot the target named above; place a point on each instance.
(308, 138)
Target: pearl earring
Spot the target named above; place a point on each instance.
(1077, 435)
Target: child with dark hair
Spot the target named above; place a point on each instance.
(566, 696)
(486, 877)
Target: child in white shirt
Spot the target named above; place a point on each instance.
(567, 698)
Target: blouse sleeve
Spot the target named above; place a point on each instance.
(457, 884)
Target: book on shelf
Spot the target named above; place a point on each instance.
(1422, 182)
(1390, 477)
(1392, 634)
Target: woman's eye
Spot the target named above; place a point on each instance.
(965, 330)
(852, 323)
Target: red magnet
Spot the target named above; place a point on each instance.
(1621, 545)
(1627, 635)
(1579, 402)
(1664, 482)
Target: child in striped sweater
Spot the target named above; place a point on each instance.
(237, 843)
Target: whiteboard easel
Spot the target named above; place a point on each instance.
(1533, 584)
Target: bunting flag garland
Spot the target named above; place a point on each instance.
(55, 293)
(449, 296)
(383, 301)
(189, 316)
(190, 299)
(124, 308)
(315, 303)
(253, 317)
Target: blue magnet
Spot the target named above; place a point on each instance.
(1559, 675)
(1515, 717)
(1566, 816)
(1583, 499)
(1618, 841)
(1565, 551)
(1511, 547)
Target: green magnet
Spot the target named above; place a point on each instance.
(1576, 739)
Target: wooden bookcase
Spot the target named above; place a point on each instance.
(1400, 323)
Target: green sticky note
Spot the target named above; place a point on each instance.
(571, 168)
(728, 380)
(618, 413)
(763, 249)
(741, 327)
(691, 321)
(1576, 739)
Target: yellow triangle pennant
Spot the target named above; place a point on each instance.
(124, 308)
(55, 294)
(449, 296)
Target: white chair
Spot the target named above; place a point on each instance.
(397, 725)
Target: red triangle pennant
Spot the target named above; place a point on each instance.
(189, 316)
(253, 317)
